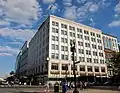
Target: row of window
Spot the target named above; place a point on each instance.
(73, 34)
(54, 66)
(81, 51)
(89, 60)
(73, 29)
(81, 59)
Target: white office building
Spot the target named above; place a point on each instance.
(49, 52)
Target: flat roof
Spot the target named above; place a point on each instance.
(75, 22)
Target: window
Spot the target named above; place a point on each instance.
(87, 45)
(80, 43)
(89, 60)
(93, 39)
(82, 68)
(94, 46)
(89, 68)
(72, 28)
(64, 40)
(56, 47)
(94, 53)
(79, 30)
(102, 61)
(56, 56)
(88, 52)
(54, 23)
(96, 69)
(92, 34)
(63, 26)
(86, 37)
(54, 66)
(63, 32)
(54, 30)
(64, 67)
(95, 60)
(66, 48)
(73, 34)
(100, 47)
(53, 38)
(99, 41)
(64, 57)
(62, 48)
(100, 54)
(53, 46)
(72, 67)
(79, 36)
(98, 35)
(81, 59)
(81, 51)
(86, 32)
(53, 55)
(102, 69)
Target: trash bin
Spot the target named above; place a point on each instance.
(56, 87)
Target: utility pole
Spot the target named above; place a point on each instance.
(73, 49)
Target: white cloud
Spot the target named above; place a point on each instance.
(70, 13)
(67, 2)
(18, 34)
(117, 8)
(20, 11)
(48, 1)
(3, 22)
(8, 51)
(81, 12)
(116, 15)
(81, 1)
(5, 54)
(114, 23)
(93, 8)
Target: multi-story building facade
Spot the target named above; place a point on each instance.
(49, 50)
(22, 60)
(110, 46)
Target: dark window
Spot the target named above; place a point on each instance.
(96, 69)
(72, 67)
(54, 66)
(64, 67)
(102, 69)
(89, 68)
(82, 68)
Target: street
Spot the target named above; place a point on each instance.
(41, 90)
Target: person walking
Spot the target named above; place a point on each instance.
(81, 86)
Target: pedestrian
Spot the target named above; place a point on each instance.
(81, 86)
(85, 85)
(46, 87)
(64, 87)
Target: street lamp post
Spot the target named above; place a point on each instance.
(73, 59)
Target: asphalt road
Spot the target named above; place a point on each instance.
(41, 90)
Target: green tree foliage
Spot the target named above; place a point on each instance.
(115, 63)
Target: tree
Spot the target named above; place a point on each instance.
(12, 73)
(115, 63)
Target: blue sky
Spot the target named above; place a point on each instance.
(20, 19)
